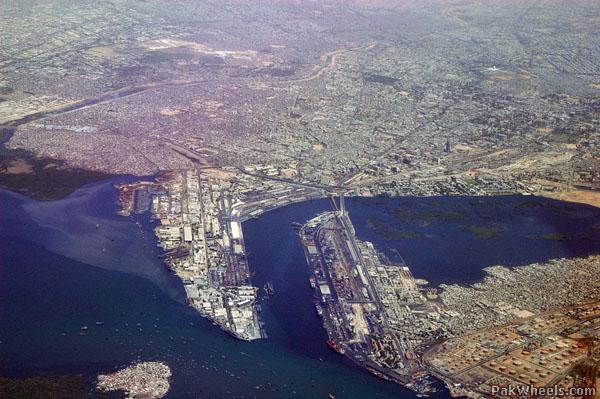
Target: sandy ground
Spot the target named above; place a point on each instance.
(219, 173)
(579, 196)
(19, 166)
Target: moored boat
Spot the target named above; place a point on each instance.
(334, 345)
(319, 310)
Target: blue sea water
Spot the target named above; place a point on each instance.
(69, 263)
(528, 230)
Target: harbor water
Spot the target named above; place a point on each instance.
(75, 262)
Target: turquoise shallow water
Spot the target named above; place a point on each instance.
(69, 263)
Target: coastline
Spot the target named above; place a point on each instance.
(201, 236)
(272, 259)
(377, 315)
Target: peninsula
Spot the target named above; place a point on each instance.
(199, 228)
(505, 330)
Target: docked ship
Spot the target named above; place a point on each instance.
(313, 282)
(333, 345)
(319, 310)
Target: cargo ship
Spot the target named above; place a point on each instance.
(333, 345)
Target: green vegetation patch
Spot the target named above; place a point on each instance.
(391, 233)
(407, 215)
(530, 205)
(65, 386)
(42, 178)
(484, 232)
(548, 237)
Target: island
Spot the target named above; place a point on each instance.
(142, 380)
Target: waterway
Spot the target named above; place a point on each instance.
(69, 263)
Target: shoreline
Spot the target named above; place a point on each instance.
(376, 314)
(301, 219)
(201, 236)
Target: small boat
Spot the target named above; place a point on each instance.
(99, 323)
(268, 287)
(296, 225)
(313, 282)
(319, 310)
(377, 373)
(331, 396)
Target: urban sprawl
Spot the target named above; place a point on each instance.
(237, 108)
